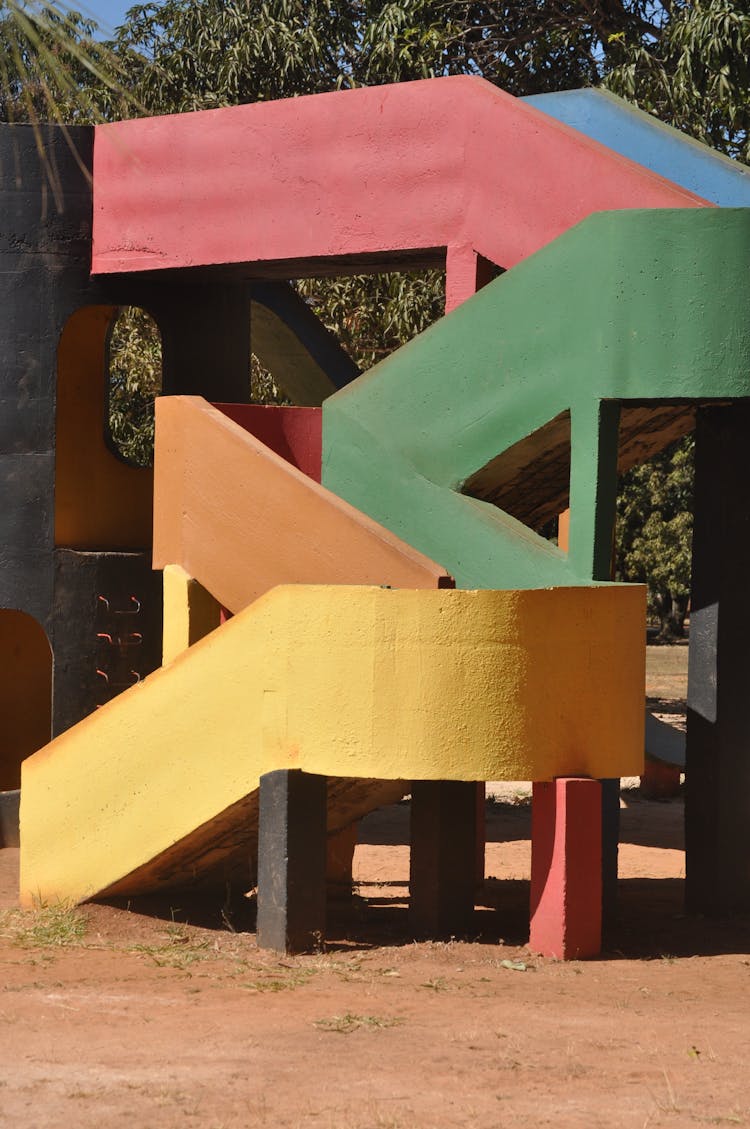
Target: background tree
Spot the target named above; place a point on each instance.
(687, 61)
(135, 378)
(655, 526)
(52, 68)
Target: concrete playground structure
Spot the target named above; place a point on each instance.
(358, 603)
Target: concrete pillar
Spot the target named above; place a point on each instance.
(292, 861)
(205, 329)
(190, 612)
(10, 803)
(465, 273)
(590, 534)
(566, 868)
(717, 775)
(443, 857)
(339, 862)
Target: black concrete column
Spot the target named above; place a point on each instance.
(717, 802)
(443, 856)
(292, 861)
(205, 330)
(9, 822)
(593, 509)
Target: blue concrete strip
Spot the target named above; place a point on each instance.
(640, 137)
(664, 742)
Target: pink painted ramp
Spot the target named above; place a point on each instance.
(376, 176)
(241, 519)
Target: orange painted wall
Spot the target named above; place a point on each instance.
(25, 693)
(100, 501)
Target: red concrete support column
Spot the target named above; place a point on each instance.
(465, 273)
(566, 868)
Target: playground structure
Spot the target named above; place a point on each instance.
(617, 323)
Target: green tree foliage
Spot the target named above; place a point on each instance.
(655, 526)
(374, 315)
(135, 372)
(696, 74)
(686, 61)
(52, 68)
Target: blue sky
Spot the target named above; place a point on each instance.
(107, 13)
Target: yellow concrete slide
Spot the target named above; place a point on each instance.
(368, 686)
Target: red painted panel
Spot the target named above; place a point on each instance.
(294, 433)
(450, 162)
(241, 520)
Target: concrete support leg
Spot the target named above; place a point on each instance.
(480, 846)
(190, 612)
(566, 868)
(595, 432)
(717, 775)
(9, 822)
(292, 861)
(443, 857)
(610, 817)
(465, 273)
(340, 859)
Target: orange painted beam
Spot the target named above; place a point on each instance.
(391, 174)
(241, 519)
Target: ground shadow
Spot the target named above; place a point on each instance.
(650, 922)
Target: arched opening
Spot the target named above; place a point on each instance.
(25, 693)
(101, 501)
(134, 380)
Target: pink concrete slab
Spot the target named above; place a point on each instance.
(321, 184)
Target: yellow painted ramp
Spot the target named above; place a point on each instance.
(364, 685)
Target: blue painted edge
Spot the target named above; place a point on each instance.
(642, 138)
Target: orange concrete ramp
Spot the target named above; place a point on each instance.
(241, 520)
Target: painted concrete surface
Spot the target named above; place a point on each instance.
(25, 693)
(190, 613)
(627, 307)
(345, 682)
(369, 176)
(643, 138)
(304, 357)
(101, 502)
(296, 434)
(566, 869)
(242, 519)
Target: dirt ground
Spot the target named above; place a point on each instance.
(161, 1016)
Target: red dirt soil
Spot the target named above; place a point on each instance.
(149, 1022)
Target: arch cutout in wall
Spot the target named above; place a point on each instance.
(102, 503)
(25, 693)
(133, 381)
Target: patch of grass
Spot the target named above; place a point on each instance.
(180, 950)
(45, 926)
(345, 1024)
(438, 984)
(280, 983)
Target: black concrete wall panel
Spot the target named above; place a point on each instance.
(45, 221)
(130, 613)
(45, 256)
(717, 800)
